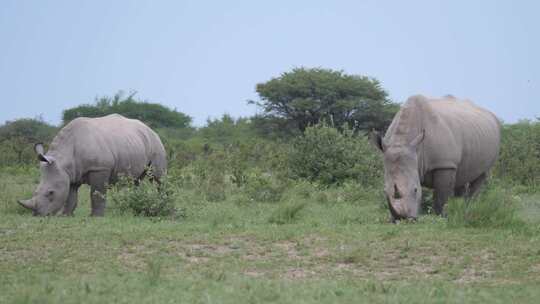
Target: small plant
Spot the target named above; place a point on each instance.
(207, 177)
(287, 213)
(261, 187)
(493, 208)
(237, 163)
(143, 198)
(153, 269)
(354, 256)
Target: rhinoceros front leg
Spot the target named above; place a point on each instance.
(98, 189)
(443, 186)
(71, 203)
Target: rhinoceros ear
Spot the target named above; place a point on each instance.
(40, 151)
(376, 139)
(39, 148)
(418, 139)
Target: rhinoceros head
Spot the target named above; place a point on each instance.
(401, 180)
(53, 189)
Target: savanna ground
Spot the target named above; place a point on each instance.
(313, 245)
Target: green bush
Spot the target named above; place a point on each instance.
(238, 159)
(144, 198)
(206, 176)
(519, 160)
(263, 187)
(329, 156)
(494, 207)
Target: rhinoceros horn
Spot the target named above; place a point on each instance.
(29, 204)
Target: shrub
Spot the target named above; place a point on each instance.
(206, 176)
(329, 156)
(144, 198)
(237, 163)
(263, 187)
(519, 160)
(492, 208)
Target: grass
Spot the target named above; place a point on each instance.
(492, 208)
(313, 247)
(287, 213)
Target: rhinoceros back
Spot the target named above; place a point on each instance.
(469, 134)
(458, 135)
(113, 142)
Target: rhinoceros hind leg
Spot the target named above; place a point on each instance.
(71, 203)
(443, 186)
(476, 184)
(98, 181)
(461, 191)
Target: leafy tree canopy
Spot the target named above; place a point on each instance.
(308, 95)
(153, 114)
(227, 130)
(17, 139)
(31, 130)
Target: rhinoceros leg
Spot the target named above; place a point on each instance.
(443, 186)
(470, 189)
(71, 203)
(476, 184)
(98, 181)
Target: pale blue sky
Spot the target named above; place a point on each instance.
(205, 57)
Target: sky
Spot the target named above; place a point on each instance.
(204, 58)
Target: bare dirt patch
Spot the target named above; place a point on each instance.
(310, 257)
(133, 257)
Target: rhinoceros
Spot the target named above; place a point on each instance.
(446, 144)
(93, 151)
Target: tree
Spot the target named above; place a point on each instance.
(227, 130)
(153, 114)
(306, 96)
(274, 127)
(18, 137)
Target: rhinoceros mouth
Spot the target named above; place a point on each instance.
(395, 215)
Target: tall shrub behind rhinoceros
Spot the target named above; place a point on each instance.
(445, 144)
(93, 151)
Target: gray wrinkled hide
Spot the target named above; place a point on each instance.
(94, 151)
(459, 146)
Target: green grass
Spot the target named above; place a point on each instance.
(332, 249)
(494, 207)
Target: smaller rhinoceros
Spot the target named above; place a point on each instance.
(445, 144)
(93, 151)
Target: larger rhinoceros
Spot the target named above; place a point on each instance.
(93, 151)
(445, 144)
